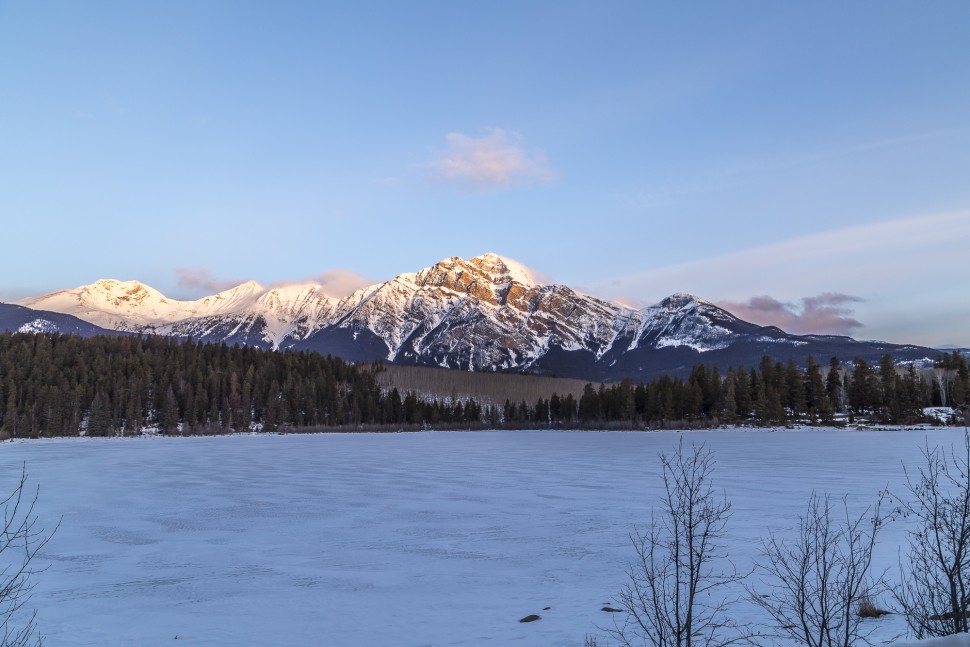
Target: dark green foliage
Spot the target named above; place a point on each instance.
(772, 394)
(62, 385)
(57, 385)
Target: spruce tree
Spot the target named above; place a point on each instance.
(833, 384)
(169, 420)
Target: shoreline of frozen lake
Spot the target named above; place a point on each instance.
(417, 538)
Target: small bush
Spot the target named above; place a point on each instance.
(867, 608)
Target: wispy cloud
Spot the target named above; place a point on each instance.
(537, 275)
(825, 314)
(495, 160)
(903, 268)
(334, 283)
(663, 192)
(629, 302)
(860, 259)
(201, 279)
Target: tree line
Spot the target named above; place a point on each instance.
(63, 385)
(776, 393)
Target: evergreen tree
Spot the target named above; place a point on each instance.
(10, 414)
(795, 392)
(729, 409)
(169, 420)
(98, 416)
(862, 390)
(814, 389)
(833, 384)
(589, 404)
(743, 393)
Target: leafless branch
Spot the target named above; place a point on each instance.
(21, 539)
(813, 583)
(674, 595)
(934, 592)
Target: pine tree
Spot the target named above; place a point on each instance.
(814, 389)
(743, 394)
(730, 405)
(795, 395)
(589, 404)
(98, 416)
(10, 415)
(833, 384)
(169, 421)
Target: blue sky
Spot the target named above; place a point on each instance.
(808, 164)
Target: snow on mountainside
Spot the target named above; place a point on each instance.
(485, 313)
(26, 320)
(130, 305)
(133, 307)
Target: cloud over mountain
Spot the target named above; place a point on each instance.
(200, 279)
(335, 283)
(824, 314)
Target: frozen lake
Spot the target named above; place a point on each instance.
(398, 539)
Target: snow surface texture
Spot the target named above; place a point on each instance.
(961, 640)
(398, 539)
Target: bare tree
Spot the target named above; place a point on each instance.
(21, 538)
(934, 592)
(674, 595)
(815, 582)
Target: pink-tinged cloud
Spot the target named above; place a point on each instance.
(335, 283)
(201, 279)
(825, 314)
(493, 161)
(629, 302)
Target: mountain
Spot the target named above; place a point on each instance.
(20, 319)
(481, 314)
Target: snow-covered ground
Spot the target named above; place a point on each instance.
(962, 640)
(400, 539)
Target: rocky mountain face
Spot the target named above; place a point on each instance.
(481, 314)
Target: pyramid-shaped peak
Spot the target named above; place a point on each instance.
(502, 268)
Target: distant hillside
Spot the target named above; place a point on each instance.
(493, 388)
(16, 318)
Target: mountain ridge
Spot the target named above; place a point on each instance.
(486, 313)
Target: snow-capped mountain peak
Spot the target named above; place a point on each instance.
(237, 298)
(123, 292)
(483, 314)
(107, 302)
(490, 278)
(503, 269)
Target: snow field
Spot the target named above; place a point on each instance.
(400, 539)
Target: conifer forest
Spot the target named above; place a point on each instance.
(64, 385)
